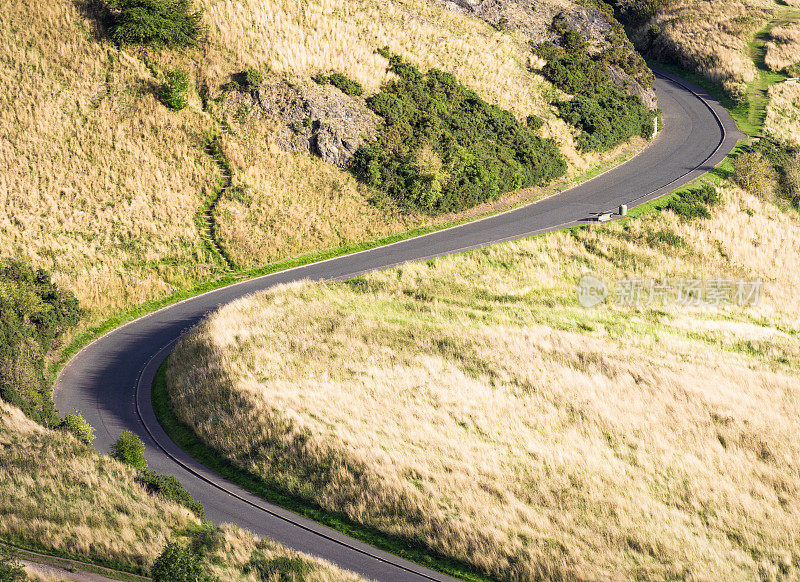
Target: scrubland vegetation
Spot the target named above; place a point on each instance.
(100, 182)
(469, 404)
(59, 496)
(104, 184)
(446, 149)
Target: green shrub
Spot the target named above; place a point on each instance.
(170, 489)
(604, 113)
(79, 428)
(129, 449)
(10, 568)
(173, 92)
(277, 569)
(754, 173)
(607, 117)
(444, 149)
(695, 203)
(34, 313)
(345, 84)
(155, 22)
(177, 563)
(665, 238)
(535, 122)
(253, 78)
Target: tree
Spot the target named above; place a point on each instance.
(129, 449)
(80, 429)
(178, 563)
(159, 22)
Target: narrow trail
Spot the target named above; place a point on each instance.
(758, 90)
(209, 229)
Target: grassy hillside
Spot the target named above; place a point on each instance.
(472, 405)
(60, 497)
(102, 184)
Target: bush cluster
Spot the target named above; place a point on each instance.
(772, 167)
(129, 449)
(173, 91)
(170, 489)
(695, 203)
(34, 313)
(604, 113)
(178, 563)
(155, 22)
(345, 84)
(78, 426)
(444, 149)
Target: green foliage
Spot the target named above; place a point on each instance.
(34, 313)
(607, 118)
(535, 122)
(129, 449)
(173, 91)
(665, 239)
(10, 569)
(155, 22)
(253, 78)
(605, 114)
(343, 83)
(639, 11)
(695, 203)
(444, 149)
(783, 177)
(170, 489)
(76, 425)
(277, 569)
(178, 563)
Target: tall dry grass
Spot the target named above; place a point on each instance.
(287, 203)
(60, 496)
(783, 114)
(783, 50)
(711, 37)
(99, 182)
(470, 404)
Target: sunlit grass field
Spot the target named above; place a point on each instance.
(60, 497)
(470, 404)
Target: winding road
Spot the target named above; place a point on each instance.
(110, 379)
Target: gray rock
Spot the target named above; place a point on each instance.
(318, 119)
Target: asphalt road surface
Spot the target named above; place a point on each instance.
(110, 380)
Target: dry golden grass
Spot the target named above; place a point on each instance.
(471, 404)
(293, 203)
(60, 496)
(783, 114)
(784, 48)
(99, 182)
(711, 37)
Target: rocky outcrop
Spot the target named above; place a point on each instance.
(533, 19)
(319, 119)
(632, 87)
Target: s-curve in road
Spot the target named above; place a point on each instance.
(110, 379)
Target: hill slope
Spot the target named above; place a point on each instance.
(103, 185)
(471, 403)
